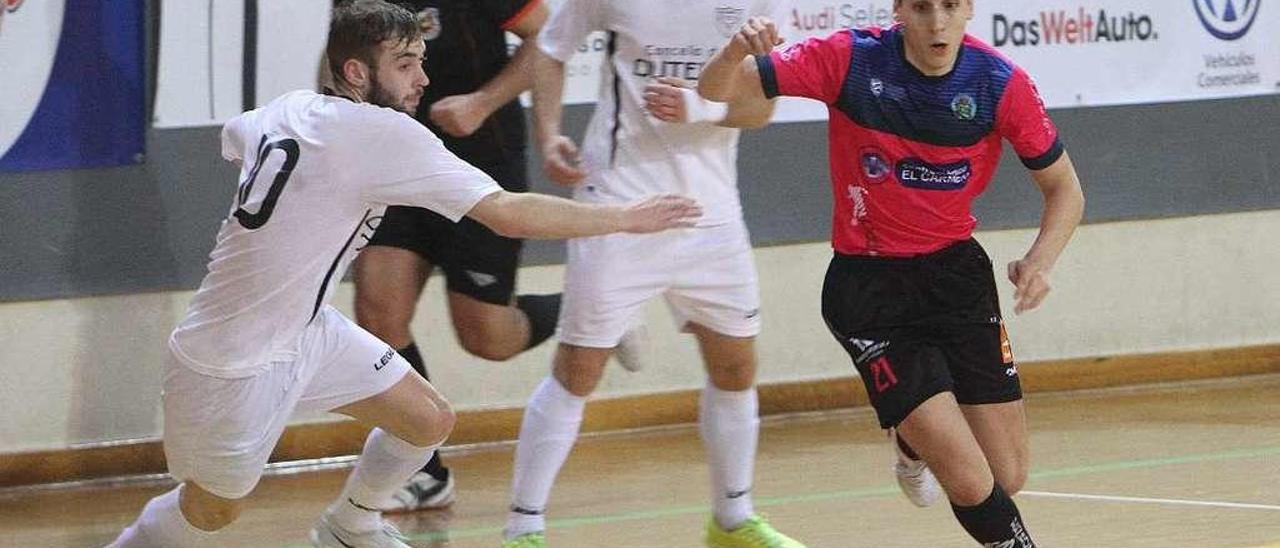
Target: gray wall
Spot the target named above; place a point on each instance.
(149, 227)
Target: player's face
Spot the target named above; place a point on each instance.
(398, 80)
(933, 31)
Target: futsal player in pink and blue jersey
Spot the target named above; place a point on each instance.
(917, 115)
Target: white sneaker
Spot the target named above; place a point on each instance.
(327, 534)
(632, 351)
(423, 492)
(914, 477)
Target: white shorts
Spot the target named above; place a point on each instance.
(220, 432)
(707, 275)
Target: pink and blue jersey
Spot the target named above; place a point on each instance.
(910, 152)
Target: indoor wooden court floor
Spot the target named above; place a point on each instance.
(1177, 465)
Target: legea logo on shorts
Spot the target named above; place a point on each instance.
(917, 173)
(1227, 19)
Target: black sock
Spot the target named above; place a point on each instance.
(543, 312)
(411, 354)
(995, 522)
(436, 468)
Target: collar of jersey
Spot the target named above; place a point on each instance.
(899, 43)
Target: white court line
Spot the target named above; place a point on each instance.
(1112, 498)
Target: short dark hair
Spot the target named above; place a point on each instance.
(357, 28)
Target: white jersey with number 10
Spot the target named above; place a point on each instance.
(316, 171)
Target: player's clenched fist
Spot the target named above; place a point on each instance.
(458, 115)
(560, 161)
(757, 37)
(660, 213)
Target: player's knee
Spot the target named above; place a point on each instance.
(968, 493)
(487, 344)
(579, 371)
(433, 426)
(384, 318)
(1012, 479)
(733, 373)
(444, 422)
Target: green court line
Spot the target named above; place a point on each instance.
(1236, 454)
(851, 494)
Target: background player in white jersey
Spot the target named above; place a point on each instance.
(706, 274)
(259, 340)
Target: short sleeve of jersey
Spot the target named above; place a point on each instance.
(233, 139)
(815, 68)
(1022, 121)
(507, 13)
(569, 25)
(403, 163)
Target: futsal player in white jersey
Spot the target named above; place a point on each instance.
(259, 340)
(706, 274)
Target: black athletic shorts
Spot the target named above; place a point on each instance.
(476, 261)
(919, 326)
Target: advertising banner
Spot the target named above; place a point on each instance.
(219, 58)
(1098, 52)
(74, 90)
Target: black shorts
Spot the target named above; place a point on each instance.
(919, 326)
(476, 261)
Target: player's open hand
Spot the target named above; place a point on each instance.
(458, 115)
(757, 37)
(1030, 282)
(560, 161)
(667, 99)
(659, 213)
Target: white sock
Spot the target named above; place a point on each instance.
(547, 433)
(162, 525)
(385, 464)
(730, 424)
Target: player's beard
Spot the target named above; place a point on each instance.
(378, 95)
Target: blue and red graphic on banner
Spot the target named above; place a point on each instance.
(75, 96)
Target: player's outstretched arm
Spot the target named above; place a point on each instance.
(1063, 208)
(539, 216)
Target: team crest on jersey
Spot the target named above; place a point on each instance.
(964, 107)
(429, 22)
(877, 86)
(874, 165)
(729, 19)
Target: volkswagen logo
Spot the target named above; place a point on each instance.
(1227, 19)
